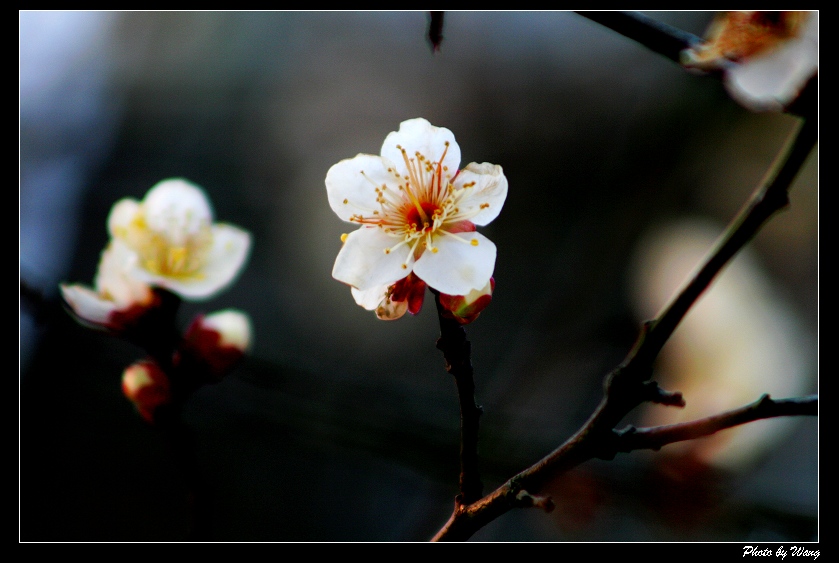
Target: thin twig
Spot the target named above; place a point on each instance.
(656, 36)
(435, 30)
(631, 438)
(458, 354)
(518, 491)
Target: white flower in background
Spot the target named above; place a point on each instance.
(117, 299)
(767, 57)
(176, 244)
(417, 213)
(741, 339)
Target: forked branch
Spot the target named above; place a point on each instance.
(629, 385)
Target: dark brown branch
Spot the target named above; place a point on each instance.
(458, 354)
(517, 492)
(628, 385)
(656, 36)
(435, 30)
(632, 438)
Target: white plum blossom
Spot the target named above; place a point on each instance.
(117, 298)
(417, 213)
(175, 242)
(767, 57)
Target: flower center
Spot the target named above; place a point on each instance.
(422, 218)
(173, 253)
(423, 205)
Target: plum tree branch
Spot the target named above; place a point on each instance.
(654, 35)
(629, 385)
(457, 352)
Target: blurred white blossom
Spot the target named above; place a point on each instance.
(767, 57)
(175, 242)
(741, 339)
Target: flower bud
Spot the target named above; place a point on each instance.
(466, 308)
(215, 343)
(147, 386)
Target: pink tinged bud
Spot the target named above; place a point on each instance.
(466, 308)
(216, 343)
(147, 386)
(411, 290)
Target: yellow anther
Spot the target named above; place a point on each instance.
(344, 237)
(346, 201)
(435, 250)
(474, 242)
(404, 266)
(387, 251)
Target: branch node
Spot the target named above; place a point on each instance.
(523, 498)
(658, 395)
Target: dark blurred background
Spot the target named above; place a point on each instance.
(622, 169)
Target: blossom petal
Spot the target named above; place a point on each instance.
(458, 267)
(114, 277)
(229, 251)
(87, 304)
(352, 192)
(418, 135)
(177, 207)
(369, 298)
(486, 197)
(363, 263)
(122, 214)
